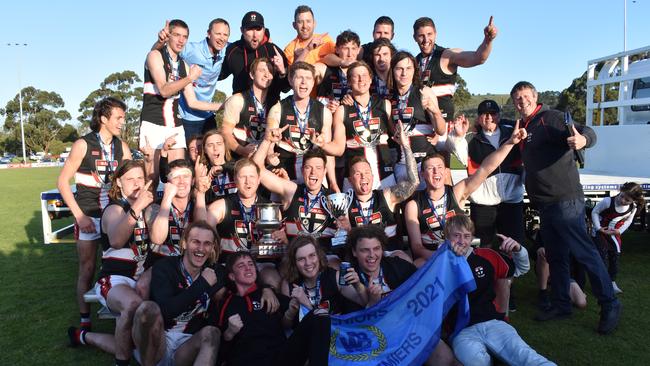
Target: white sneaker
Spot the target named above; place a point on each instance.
(616, 289)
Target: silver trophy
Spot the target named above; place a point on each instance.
(337, 205)
(268, 219)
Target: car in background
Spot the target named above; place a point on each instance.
(5, 160)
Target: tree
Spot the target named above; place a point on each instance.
(42, 112)
(462, 97)
(575, 98)
(120, 85)
(219, 97)
(68, 133)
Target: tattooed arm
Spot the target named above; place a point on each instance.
(404, 189)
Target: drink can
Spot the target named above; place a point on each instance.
(343, 271)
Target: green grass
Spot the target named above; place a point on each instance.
(37, 295)
(37, 285)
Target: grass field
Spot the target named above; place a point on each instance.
(37, 295)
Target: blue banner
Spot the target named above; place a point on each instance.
(404, 327)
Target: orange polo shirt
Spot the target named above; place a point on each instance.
(328, 46)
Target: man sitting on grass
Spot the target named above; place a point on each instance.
(487, 333)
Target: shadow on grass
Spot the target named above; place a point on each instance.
(37, 301)
(34, 229)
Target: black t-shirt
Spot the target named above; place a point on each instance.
(262, 334)
(551, 172)
(487, 266)
(184, 305)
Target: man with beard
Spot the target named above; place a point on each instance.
(439, 65)
(235, 219)
(244, 118)
(208, 54)
(384, 27)
(307, 46)
(381, 52)
(254, 43)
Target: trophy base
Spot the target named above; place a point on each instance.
(268, 251)
(339, 240)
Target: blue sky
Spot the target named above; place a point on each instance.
(73, 46)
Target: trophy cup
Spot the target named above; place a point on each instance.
(268, 220)
(337, 205)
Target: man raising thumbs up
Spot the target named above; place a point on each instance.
(553, 186)
(438, 65)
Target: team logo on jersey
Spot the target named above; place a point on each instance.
(300, 141)
(480, 272)
(405, 115)
(257, 305)
(313, 221)
(375, 219)
(227, 187)
(257, 128)
(94, 152)
(338, 90)
(432, 221)
(244, 233)
(325, 304)
(367, 135)
(105, 166)
(175, 234)
(140, 238)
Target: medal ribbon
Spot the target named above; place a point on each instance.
(441, 219)
(189, 280)
(108, 154)
(315, 301)
(365, 218)
(302, 121)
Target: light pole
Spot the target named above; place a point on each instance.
(20, 100)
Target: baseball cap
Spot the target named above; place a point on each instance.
(488, 106)
(252, 19)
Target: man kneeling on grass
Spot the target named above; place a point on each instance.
(487, 333)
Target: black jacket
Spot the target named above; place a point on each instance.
(551, 172)
(239, 57)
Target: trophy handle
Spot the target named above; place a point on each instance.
(323, 204)
(350, 196)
